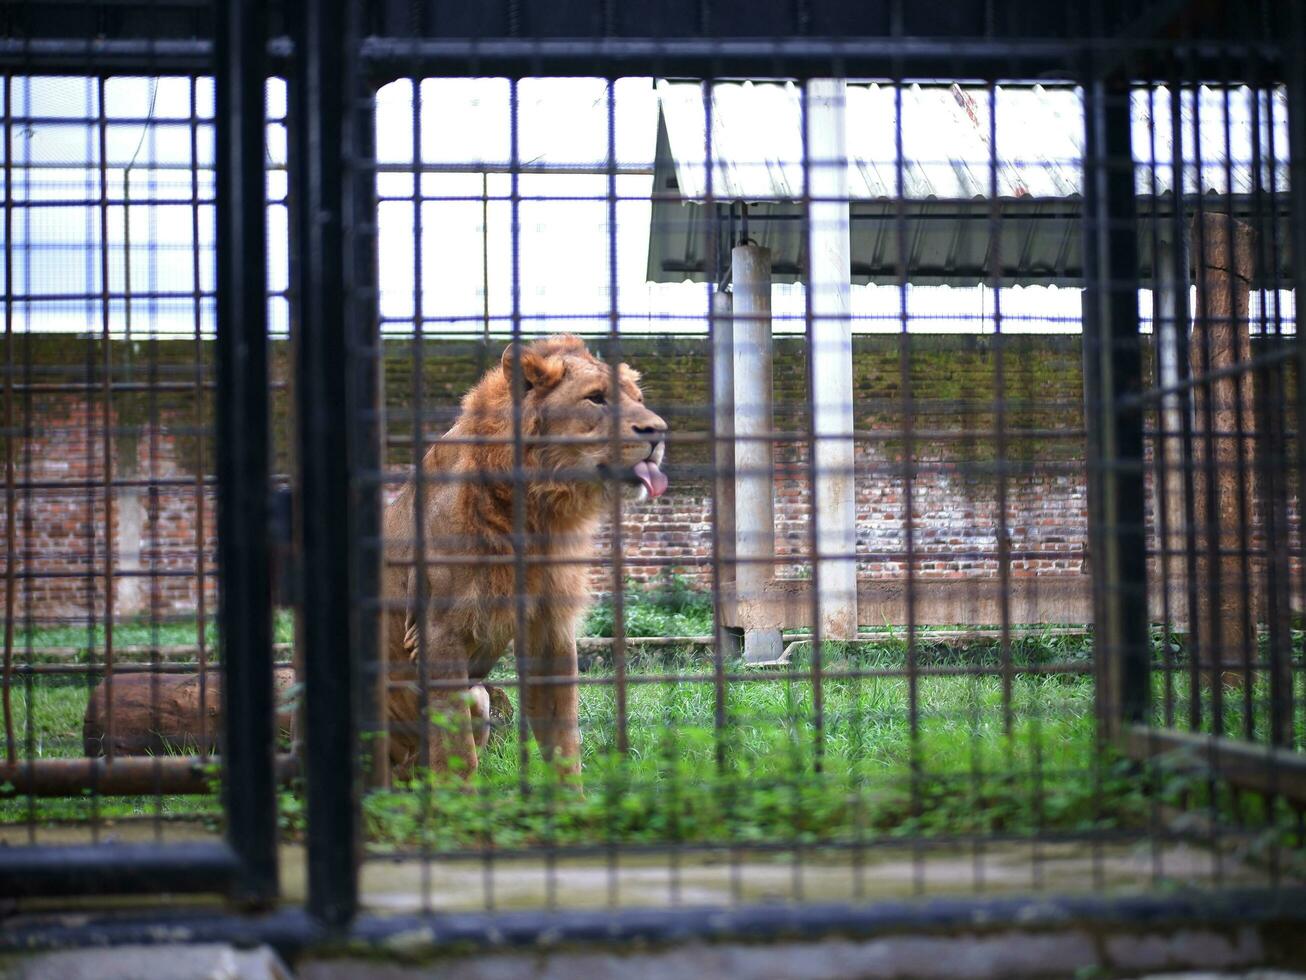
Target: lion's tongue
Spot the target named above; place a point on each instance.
(653, 478)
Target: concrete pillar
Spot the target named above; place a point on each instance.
(130, 596)
(1169, 307)
(1219, 343)
(830, 292)
(754, 479)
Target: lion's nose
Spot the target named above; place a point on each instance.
(652, 433)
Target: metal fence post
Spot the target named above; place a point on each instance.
(243, 461)
(318, 107)
(1114, 386)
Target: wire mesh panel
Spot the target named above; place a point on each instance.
(766, 511)
(853, 465)
(113, 671)
(1223, 524)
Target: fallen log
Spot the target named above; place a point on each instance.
(160, 714)
(141, 776)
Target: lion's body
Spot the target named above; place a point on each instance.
(468, 577)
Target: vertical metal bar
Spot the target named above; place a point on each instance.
(1183, 332)
(94, 233)
(1001, 450)
(619, 658)
(106, 393)
(521, 642)
(619, 663)
(10, 433)
(1272, 409)
(1269, 456)
(318, 109)
(365, 355)
(201, 601)
(1165, 347)
(1000, 421)
(908, 478)
(722, 415)
(1297, 182)
(29, 452)
(364, 359)
(1115, 419)
(243, 459)
(1208, 652)
(421, 597)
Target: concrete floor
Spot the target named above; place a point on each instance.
(717, 878)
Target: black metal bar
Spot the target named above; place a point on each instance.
(243, 463)
(393, 57)
(1270, 403)
(119, 869)
(1114, 380)
(291, 932)
(799, 57)
(318, 107)
(365, 400)
(102, 57)
(1296, 182)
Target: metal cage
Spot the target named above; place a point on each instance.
(972, 615)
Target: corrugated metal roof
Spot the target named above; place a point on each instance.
(757, 156)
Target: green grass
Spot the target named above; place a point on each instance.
(756, 778)
(125, 634)
(57, 706)
(766, 774)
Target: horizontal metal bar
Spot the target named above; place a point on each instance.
(94, 56)
(291, 932)
(752, 848)
(96, 670)
(99, 56)
(115, 869)
(871, 57)
(787, 57)
(122, 776)
(769, 676)
(138, 652)
(1260, 768)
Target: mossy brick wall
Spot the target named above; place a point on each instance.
(160, 422)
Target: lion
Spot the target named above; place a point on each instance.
(467, 578)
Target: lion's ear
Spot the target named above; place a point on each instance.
(537, 370)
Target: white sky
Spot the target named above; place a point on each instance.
(563, 250)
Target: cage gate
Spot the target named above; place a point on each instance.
(101, 427)
(843, 457)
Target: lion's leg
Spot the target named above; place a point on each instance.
(479, 702)
(452, 740)
(450, 743)
(552, 708)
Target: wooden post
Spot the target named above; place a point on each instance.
(834, 503)
(754, 480)
(1227, 606)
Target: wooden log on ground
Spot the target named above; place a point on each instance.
(1224, 487)
(171, 776)
(159, 714)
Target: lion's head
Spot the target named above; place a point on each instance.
(578, 414)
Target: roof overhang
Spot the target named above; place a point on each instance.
(938, 209)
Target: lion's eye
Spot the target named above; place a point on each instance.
(598, 398)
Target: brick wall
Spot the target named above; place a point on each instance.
(163, 523)
(161, 436)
